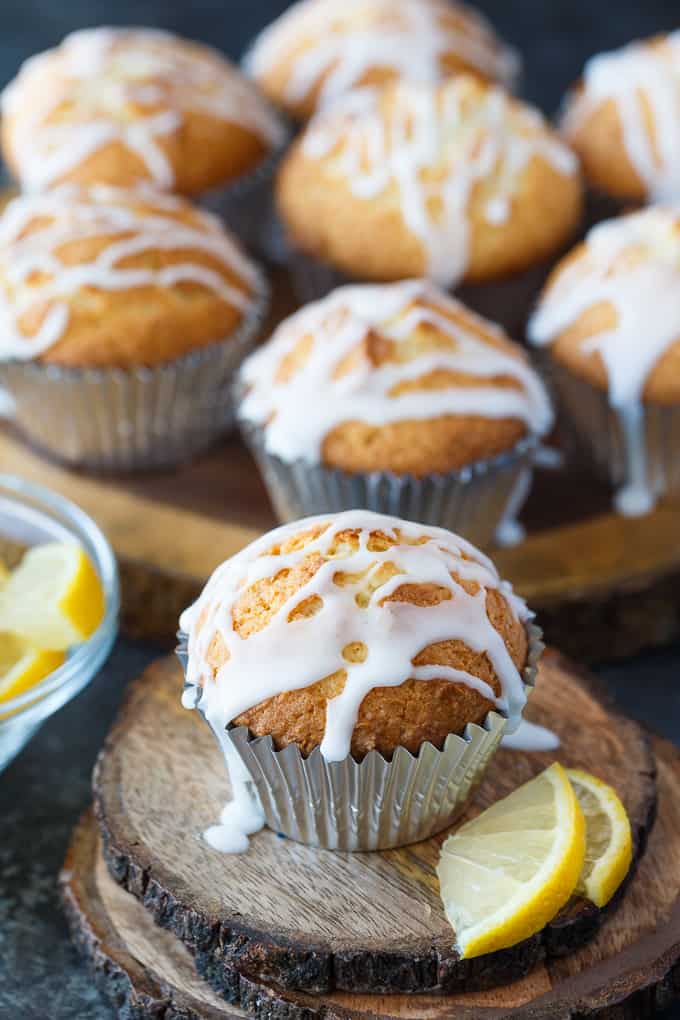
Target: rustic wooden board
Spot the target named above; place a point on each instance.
(604, 586)
(325, 922)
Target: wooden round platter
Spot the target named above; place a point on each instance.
(290, 931)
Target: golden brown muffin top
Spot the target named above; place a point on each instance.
(321, 49)
(106, 277)
(622, 119)
(120, 106)
(611, 309)
(355, 602)
(394, 377)
(452, 181)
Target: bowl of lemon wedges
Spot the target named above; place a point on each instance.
(59, 603)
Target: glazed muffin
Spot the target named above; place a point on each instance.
(610, 320)
(360, 633)
(394, 397)
(319, 50)
(621, 118)
(129, 106)
(124, 316)
(456, 182)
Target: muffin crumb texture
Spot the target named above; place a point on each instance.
(103, 277)
(622, 117)
(357, 632)
(398, 377)
(320, 49)
(455, 182)
(126, 106)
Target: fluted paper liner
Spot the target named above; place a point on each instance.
(129, 419)
(247, 207)
(599, 432)
(374, 804)
(473, 501)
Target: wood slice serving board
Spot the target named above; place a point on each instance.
(604, 586)
(284, 916)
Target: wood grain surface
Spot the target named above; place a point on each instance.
(330, 922)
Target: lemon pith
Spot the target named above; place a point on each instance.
(609, 843)
(506, 874)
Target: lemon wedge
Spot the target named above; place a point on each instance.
(22, 668)
(508, 872)
(54, 599)
(609, 844)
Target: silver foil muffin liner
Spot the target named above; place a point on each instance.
(114, 419)
(599, 433)
(373, 804)
(479, 501)
(246, 206)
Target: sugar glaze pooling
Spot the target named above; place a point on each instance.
(632, 263)
(71, 215)
(343, 42)
(650, 69)
(428, 127)
(301, 651)
(110, 71)
(300, 411)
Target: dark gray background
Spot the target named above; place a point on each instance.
(46, 788)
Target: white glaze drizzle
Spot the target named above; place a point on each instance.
(132, 223)
(434, 144)
(531, 737)
(344, 41)
(105, 72)
(299, 413)
(641, 69)
(633, 264)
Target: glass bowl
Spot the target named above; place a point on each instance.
(32, 515)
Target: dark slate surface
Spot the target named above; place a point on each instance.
(47, 787)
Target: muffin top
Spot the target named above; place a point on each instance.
(456, 181)
(321, 49)
(357, 631)
(120, 106)
(393, 377)
(611, 309)
(105, 277)
(622, 119)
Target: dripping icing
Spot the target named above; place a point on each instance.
(300, 411)
(105, 72)
(343, 42)
(633, 264)
(530, 737)
(71, 215)
(463, 131)
(640, 69)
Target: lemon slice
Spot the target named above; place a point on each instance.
(609, 844)
(21, 667)
(508, 872)
(54, 599)
(4, 574)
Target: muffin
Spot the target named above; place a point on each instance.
(124, 317)
(397, 398)
(621, 118)
(319, 50)
(610, 320)
(336, 622)
(128, 106)
(457, 182)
